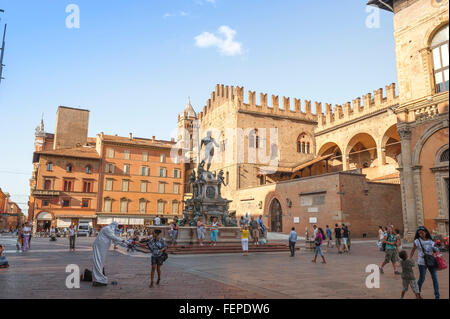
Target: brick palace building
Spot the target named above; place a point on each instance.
(103, 179)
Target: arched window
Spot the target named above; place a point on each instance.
(88, 169)
(49, 166)
(444, 156)
(304, 144)
(69, 168)
(439, 49)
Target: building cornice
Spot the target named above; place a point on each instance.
(353, 121)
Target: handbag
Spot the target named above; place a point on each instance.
(317, 241)
(441, 264)
(164, 256)
(430, 260)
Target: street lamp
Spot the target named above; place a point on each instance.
(2, 50)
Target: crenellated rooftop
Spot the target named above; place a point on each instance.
(298, 110)
(224, 93)
(344, 113)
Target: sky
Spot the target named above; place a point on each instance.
(133, 63)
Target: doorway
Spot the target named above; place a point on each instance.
(276, 216)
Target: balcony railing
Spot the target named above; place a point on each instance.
(45, 193)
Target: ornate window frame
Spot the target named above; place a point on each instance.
(441, 173)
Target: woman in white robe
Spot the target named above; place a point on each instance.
(101, 246)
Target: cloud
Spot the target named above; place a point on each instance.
(178, 14)
(223, 41)
(202, 2)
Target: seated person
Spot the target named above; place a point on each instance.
(3, 261)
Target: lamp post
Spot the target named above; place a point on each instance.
(2, 51)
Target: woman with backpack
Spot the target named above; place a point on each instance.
(426, 249)
(320, 236)
(158, 247)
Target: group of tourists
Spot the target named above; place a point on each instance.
(428, 258)
(24, 235)
(254, 228)
(214, 228)
(342, 240)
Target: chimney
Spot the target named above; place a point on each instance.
(153, 139)
(131, 136)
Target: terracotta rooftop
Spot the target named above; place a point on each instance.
(82, 152)
(137, 141)
(386, 177)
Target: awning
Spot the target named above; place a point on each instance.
(301, 166)
(310, 163)
(120, 220)
(104, 220)
(63, 222)
(44, 216)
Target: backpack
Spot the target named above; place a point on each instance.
(87, 276)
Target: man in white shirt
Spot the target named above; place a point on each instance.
(26, 236)
(315, 231)
(157, 221)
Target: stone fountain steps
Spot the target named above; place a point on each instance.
(223, 249)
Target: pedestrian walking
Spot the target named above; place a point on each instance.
(315, 230)
(380, 237)
(391, 251)
(398, 240)
(345, 237)
(157, 221)
(214, 231)
(338, 236)
(244, 239)
(408, 278)
(254, 230)
(292, 241)
(26, 237)
(72, 236)
(426, 248)
(200, 231)
(329, 237)
(318, 241)
(19, 243)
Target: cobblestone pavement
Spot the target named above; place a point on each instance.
(40, 273)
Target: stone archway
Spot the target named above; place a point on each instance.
(335, 162)
(276, 216)
(361, 151)
(390, 147)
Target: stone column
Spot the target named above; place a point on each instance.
(345, 162)
(381, 156)
(407, 179)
